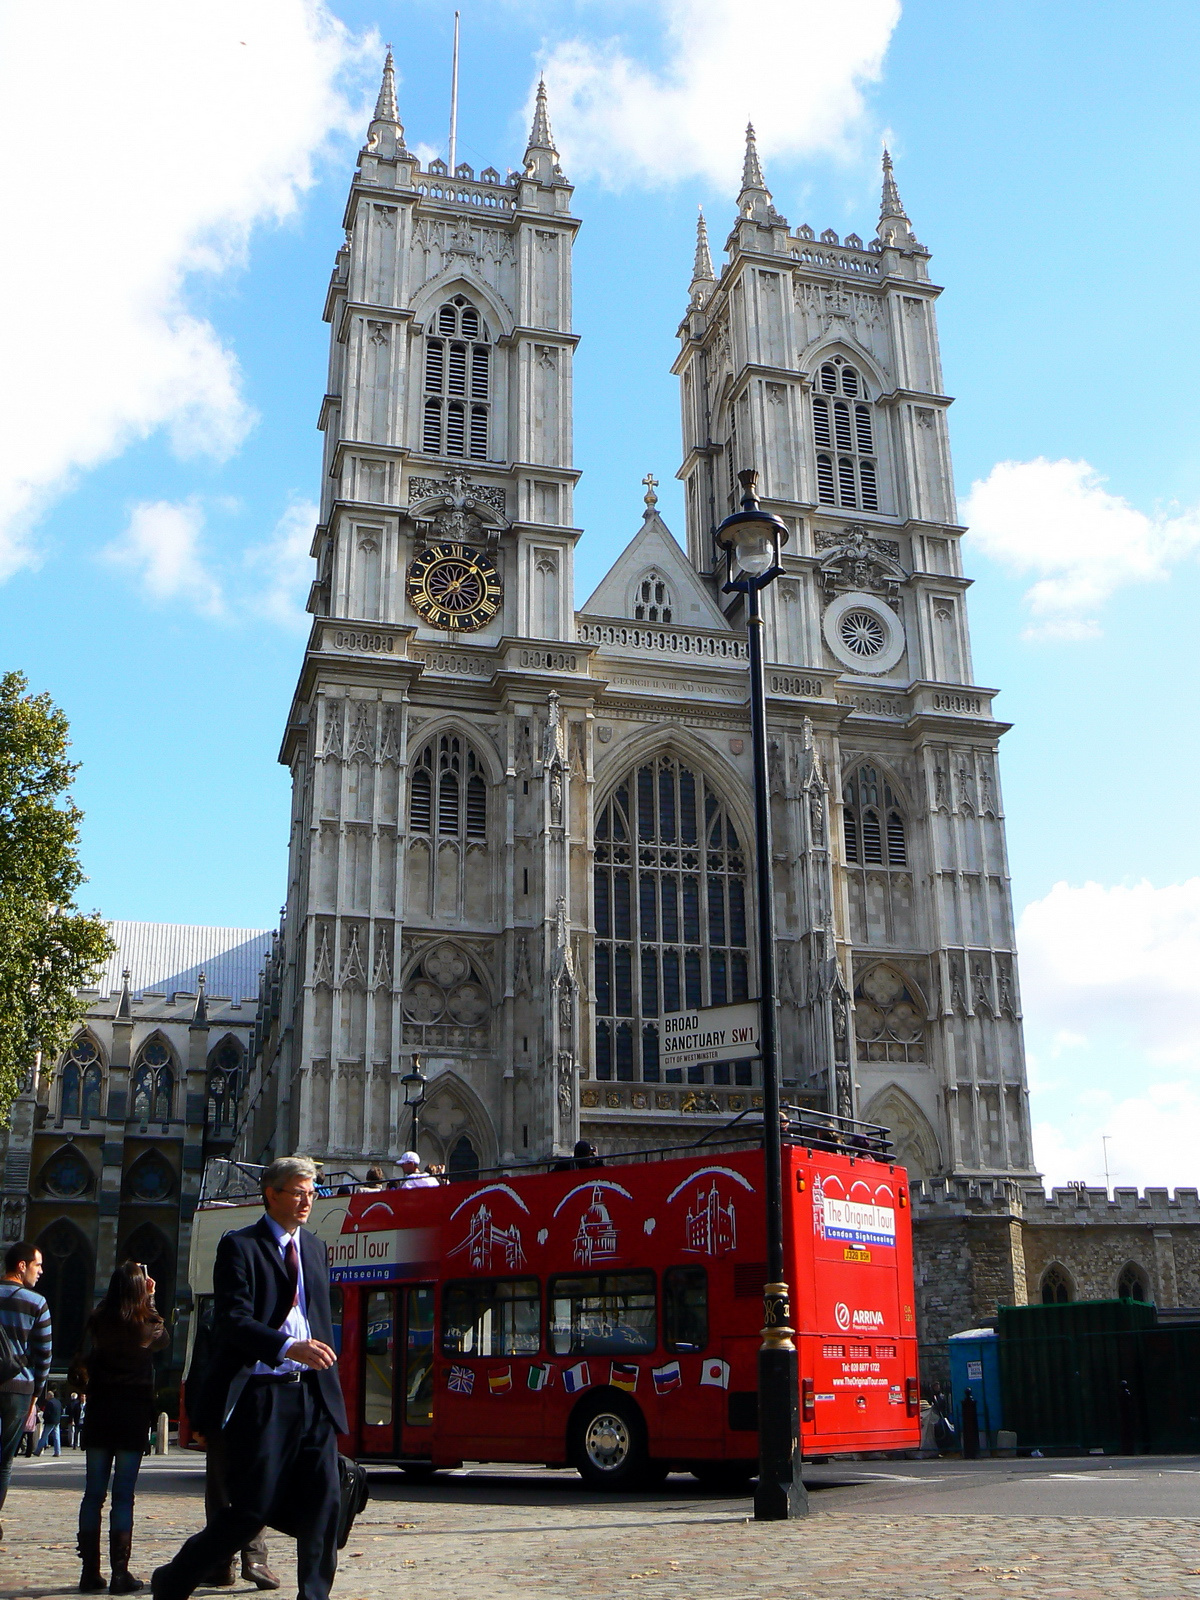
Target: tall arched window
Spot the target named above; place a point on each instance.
(153, 1083)
(874, 823)
(81, 1081)
(1057, 1288)
(844, 434)
(224, 1083)
(671, 930)
(458, 383)
(653, 601)
(450, 771)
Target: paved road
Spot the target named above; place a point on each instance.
(930, 1530)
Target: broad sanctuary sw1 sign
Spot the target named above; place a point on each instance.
(715, 1033)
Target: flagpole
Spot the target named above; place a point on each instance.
(454, 102)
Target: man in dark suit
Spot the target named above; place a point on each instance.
(272, 1395)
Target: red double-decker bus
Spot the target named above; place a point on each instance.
(609, 1318)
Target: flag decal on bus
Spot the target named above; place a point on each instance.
(667, 1377)
(624, 1375)
(538, 1377)
(461, 1380)
(715, 1373)
(577, 1377)
(500, 1382)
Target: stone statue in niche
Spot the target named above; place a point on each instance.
(556, 796)
(816, 814)
(1007, 1004)
(775, 772)
(939, 787)
(566, 1086)
(566, 1006)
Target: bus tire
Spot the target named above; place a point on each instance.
(606, 1442)
(419, 1471)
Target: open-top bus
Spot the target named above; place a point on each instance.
(609, 1317)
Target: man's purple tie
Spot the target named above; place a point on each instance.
(291, 1265)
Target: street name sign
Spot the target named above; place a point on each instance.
(711, 1033)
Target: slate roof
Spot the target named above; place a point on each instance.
(168, 956)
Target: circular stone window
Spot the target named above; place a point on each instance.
(864, 633)
(67, 1174)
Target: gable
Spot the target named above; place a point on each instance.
(653, 549)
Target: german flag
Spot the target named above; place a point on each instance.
(624, 1375)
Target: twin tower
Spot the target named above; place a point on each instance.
(521, 832)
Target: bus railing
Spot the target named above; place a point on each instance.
(228, 1182)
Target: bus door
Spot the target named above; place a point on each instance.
(377, 1347)
(414, 1394)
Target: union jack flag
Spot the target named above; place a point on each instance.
(461, 1380)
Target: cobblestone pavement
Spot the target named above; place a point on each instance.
(542, 1537)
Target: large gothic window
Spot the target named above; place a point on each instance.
(652, 601)
(153, 1084)
(1057, 1288)
(224, 1075)
(458, 383)
(875, 838)
(81, 1081)
(671, 928)
(844, 434)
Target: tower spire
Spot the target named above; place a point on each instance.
(702, 272)
(754, 200)
(541, 158)
(894, 227)
(385, 136)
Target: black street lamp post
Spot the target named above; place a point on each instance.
(752, 540)
(415, 1084)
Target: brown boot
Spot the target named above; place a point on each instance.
(256, 1571)
(119, 1546)
(92, 1579)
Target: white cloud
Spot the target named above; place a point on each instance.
(1110, 979)
(282, 569)
(1055, 520)
(139, 144)
(795, 68)
(161, 546)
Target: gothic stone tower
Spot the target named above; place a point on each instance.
(521, 835)
(437, 714)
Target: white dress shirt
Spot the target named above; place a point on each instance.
(295, 1324)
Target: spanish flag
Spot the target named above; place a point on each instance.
(500, 1382)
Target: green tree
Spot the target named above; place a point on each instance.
(48, 948)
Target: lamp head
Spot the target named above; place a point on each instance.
(414, 1083)
(752, 537)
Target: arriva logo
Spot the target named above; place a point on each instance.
(860, 1319)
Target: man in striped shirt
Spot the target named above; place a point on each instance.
(25, 1317)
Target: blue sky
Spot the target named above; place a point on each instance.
(163, 319)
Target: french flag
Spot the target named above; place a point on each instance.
(577, 1377)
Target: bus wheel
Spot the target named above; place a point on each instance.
(608, 1443)
(419, 1472)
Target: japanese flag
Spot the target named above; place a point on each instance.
(715, 1373)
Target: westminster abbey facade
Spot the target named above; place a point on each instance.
(522, 831)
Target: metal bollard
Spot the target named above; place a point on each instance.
(162, 1430)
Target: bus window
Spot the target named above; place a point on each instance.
(491, 1317)
(602, 1314)
(379, 1320)
(418, 1357)
(335, 1311)
(685, 1308)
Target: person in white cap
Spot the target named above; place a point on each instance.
(411, 1175)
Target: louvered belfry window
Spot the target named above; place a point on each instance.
(872, 821)
(447, 792)
(844, 434)
(671, 919)
(456, 419)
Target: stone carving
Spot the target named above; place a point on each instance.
(389, 746)
(333, 728)
(353, 971)
(981, 990)
(566, 1085)
(323, 967)
(554, 739)
(383, 970)
(362, 739)
(987, 804)
(379, 332)
(940, 800)
(1008, 1006)
(966, 787)
(445, 1004)
(855, 560)
(522, 978)
(776, 778)
(523, 756)
(459, 495)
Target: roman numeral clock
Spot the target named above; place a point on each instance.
(453, 586)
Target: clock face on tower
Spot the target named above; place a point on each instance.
(453, 586)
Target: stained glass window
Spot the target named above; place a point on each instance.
(671, 919)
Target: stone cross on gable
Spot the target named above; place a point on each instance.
(651, 483)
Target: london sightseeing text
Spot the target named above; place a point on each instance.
(608, 1318)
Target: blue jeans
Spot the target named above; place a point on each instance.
(50, 1436)
(99, 1466)
(14, 1408)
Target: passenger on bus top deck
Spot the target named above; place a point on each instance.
(584, 1156)
(373, 1179)
(411, 1175)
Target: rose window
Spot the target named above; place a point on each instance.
(862, 633)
